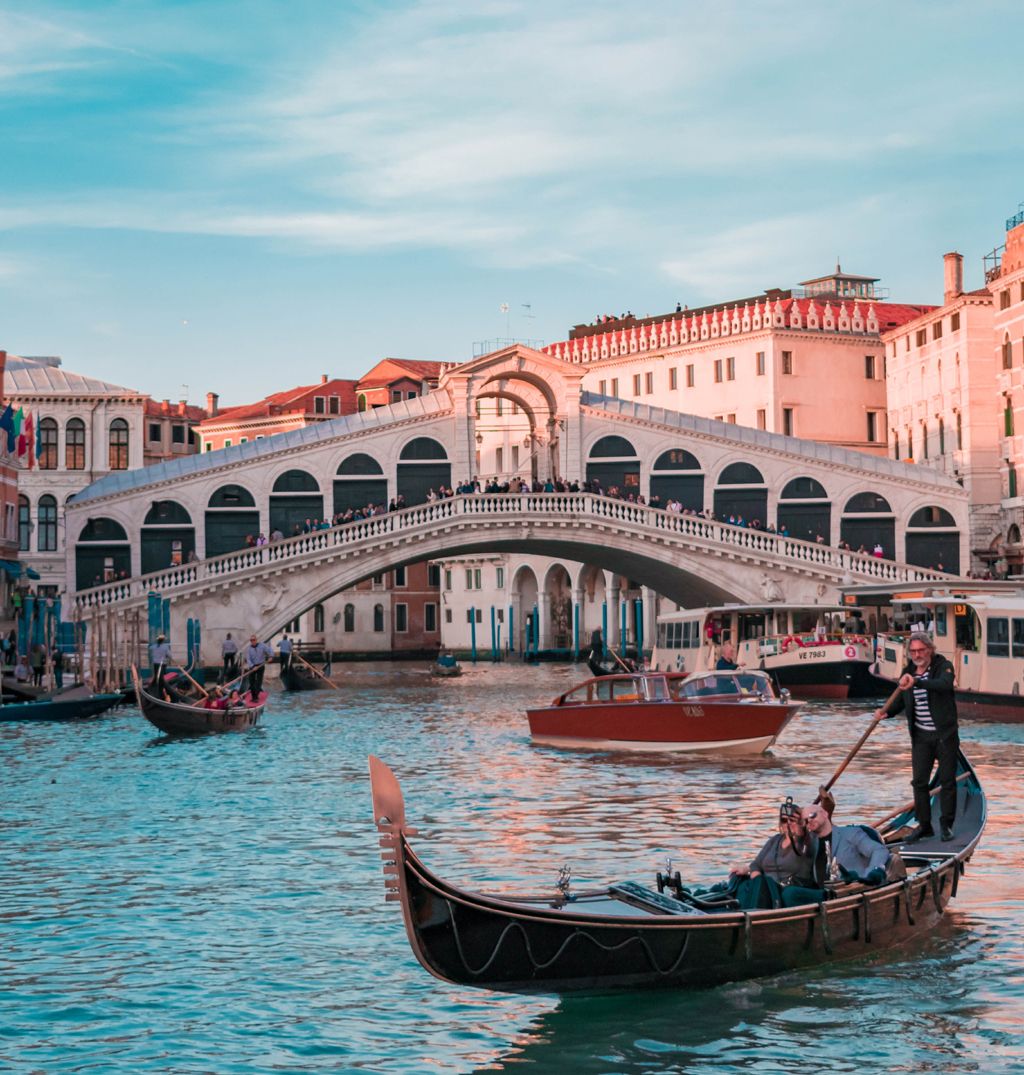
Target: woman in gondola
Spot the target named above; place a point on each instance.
(785, 861)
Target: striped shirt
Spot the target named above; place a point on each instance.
(922, 713)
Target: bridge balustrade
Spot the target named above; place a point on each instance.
(693, 530)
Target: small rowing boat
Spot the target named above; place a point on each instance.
(188, 718)
(726, 712)
(627, 935)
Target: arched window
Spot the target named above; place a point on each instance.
(803, 489)
(931, 516)
(867, 503)
(959, 432)
(118, 444)
(74, 444)
(942, 437)
(350, 618)
(613, 448)
(895, 444)
(1008, 419)
(47, 447)
(1007, 353)
(47, 519)
(378, 618)
(741, 474)
(423, 448)
(318, 618)
(24, 525)
(296, 481)
(924, 440)
(1013, 535)
(361, 403)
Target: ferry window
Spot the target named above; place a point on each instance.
(997, 636)
(940, 621)
(625, 690)
(662, 635)
(1018, 638)
(655, 690)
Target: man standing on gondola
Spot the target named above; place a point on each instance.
(256, 656)
(926, 695)
(229, 655)
(160, 658)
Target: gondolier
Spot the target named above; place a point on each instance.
(926, 695)
(256, 655)
(285, 646)
(160, 658)
(229, 654)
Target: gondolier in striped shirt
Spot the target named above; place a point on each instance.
(160, 658)
(256, 656)
(926, 695)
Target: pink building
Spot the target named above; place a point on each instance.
(805, 363)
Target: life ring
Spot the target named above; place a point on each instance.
(850, 651)
(791, 642)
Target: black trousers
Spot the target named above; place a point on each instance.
(254, 680)
(924, 753)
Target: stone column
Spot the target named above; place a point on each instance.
(614, 618)
(544, 615)
(581, 635)
(650, 599)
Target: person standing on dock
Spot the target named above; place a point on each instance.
(255, 658)
(229, 654)
(927, 695)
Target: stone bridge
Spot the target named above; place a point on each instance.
(516, 412)
(688, 559)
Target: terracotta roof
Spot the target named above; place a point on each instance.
(298, 400)
(165, 409)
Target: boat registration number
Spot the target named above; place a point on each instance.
(812, 654)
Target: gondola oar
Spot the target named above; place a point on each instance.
(199, 686)
(238, 679)
(824, 791)
(316, 672)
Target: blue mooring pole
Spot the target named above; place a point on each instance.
(494, 635)
(604, 628)
(472, 633)
(575, 632)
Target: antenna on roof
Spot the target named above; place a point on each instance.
(528, 308)
(184, 391)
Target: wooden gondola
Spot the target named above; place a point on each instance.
(298, 677)
(178, 718)
(630, 936)
(77, 706)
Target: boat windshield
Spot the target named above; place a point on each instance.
(736, 684)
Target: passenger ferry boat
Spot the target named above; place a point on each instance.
(815, 651)
(979, 628)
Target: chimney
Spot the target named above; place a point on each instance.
(165, 406)
(953, 266)
(212, 399)
(323, 378)
(182, 404)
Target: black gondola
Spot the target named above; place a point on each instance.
(303, 677)
(180, 718)
(630, 936)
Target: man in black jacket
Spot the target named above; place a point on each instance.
(926, 695)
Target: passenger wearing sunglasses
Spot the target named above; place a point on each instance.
(926, 696)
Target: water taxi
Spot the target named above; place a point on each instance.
(814, 651)
(979, 628)
(724, 712)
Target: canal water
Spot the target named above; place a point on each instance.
(216, 905)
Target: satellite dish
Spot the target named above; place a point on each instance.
(504, 307)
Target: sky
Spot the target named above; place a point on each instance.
(210, 195)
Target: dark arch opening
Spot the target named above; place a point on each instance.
(803, 489)
(423, 448)
(612, 447)
(296, 481)
(102, 553)
(619, 470)
(230, 518)
(747, 505)
(687, 488)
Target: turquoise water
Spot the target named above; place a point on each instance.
(216, 904)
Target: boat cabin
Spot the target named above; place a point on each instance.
(670, 687)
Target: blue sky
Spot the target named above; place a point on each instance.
(238, 197)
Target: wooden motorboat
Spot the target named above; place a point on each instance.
(726, 712)
(181, 718)
(58, 708)
(303, 677)
(630, 936)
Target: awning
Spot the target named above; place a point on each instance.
(31, 572)
(12, 567)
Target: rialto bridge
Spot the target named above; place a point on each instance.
(180, 528)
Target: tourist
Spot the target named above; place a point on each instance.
(22, 670)
(786, 862)
(727, 659)
(848, 853)
(878, 552)
(927, 696)
(57, 663)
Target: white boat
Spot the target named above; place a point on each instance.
(979, 628)
(815, 651)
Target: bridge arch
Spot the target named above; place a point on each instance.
(933, 539)
(805, 510)
(557, 608)
(525, 594)
(741, 493)
(613, 462)
(868, 519)
(102, 552)
(678, 475)
(294, 497)
(423, 465)
(231, 516)
(359, 481)
(167, 536)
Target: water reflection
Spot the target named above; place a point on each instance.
(170, 901)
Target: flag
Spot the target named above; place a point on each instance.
(39, 440)
(7, 425)
(30, 441)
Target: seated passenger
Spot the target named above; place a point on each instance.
(727, 659)
(784, 865)
(850, 853)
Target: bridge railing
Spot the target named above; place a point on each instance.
(691, 530)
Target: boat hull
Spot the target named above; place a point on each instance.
(59, 709)
(726, 727)
(292, 679)
(827, 679)
(174, 719)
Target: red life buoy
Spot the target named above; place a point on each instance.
(791, 642)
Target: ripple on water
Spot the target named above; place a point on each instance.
(216, 904)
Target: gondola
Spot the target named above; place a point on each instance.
(299, 677)
(607, 664)
(177, 718)
(79, 706)
(632, 936)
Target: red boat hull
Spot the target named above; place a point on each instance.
(720, 726)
